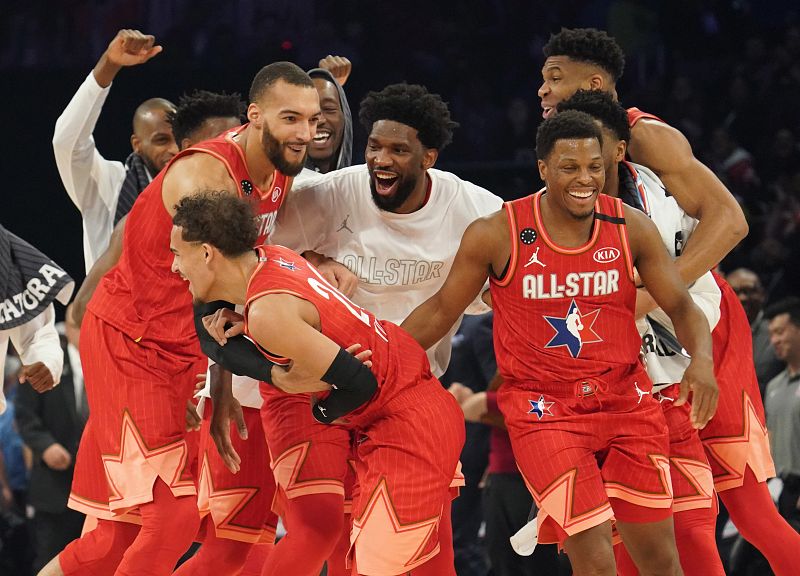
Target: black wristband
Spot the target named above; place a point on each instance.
(239, 355)
(354, 385)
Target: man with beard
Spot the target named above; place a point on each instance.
(104, 190)
(141, 352)
(386, 222)
(735, 440)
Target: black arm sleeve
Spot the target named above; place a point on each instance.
(354, 385)
(239, 355)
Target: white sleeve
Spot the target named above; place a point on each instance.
(304, 220)
(92, 182)
(37, 341)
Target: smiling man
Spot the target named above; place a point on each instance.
(332, 146)
(395, 223)
(140, 352)
(587, 434)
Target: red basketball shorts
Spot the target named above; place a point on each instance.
(240, 504)
(589, 458)
(137, 399)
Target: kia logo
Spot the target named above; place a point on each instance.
(606, 255)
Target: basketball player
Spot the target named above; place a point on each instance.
(409, 429)
(694, 502)
(142, 353)
(587, 434)
(394, 222)
(735, 440)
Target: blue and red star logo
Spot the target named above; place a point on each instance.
(288, 265)
(574, 330)
(540, 407)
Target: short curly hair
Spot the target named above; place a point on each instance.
(601, 106)
(195, 108)
(588, 45)
(219, 218)
(569, 125)
(412, 105)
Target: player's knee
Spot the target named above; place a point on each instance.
(317, 518)
(659, 560)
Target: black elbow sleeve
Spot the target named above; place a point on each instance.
(239, 355)
(354, 385)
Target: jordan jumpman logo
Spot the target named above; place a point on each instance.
(535, 259)
(344, 225)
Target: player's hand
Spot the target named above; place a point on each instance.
(6, 497)
(57, 457)
(224, 409)
(216, 322)
(460, 392)
(339, 276)
(192, 417)
(339, 66)
(201, 382)
(698, 379)
(131, 47)
(38, 376)
(475, 407)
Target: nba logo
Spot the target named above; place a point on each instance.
(276, 193)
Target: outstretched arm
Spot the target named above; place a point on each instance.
(691, 327)
(698, 192)
(481, 250)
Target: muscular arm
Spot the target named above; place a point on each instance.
(192, 174)
(691, 327)
(104, 263)
(484, 247)
(289, 326)
(697, 190)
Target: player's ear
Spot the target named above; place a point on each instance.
(542, 169)
(254, 115)
(622, 148)
(135, 143)
(596, 82)
(208, 252)
(429, 157)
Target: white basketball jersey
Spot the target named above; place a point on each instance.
(664, 365)
(400, 259)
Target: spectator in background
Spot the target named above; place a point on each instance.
(748, 288)
(105, 190)
(15, 542)
(506, 500)
(51, 425)
(735, 167)
(471, 368)
(782, 404)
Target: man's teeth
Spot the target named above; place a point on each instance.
(577, 194)
(322, 137)
(385, 176)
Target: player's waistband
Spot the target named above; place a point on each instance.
(612, 382)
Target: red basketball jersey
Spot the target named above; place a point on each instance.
(141, 296)
(398, 362)
(634, 115)
(564, 314)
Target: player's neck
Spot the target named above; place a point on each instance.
(611, 187)
(233, 280)
(259, 167)
(563, 228)
(418, 198)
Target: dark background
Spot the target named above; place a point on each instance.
(726, 73)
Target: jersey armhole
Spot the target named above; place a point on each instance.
(282, 360)
(508, 272)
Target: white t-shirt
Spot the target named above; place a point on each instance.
(666, 367)
(400, 259)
